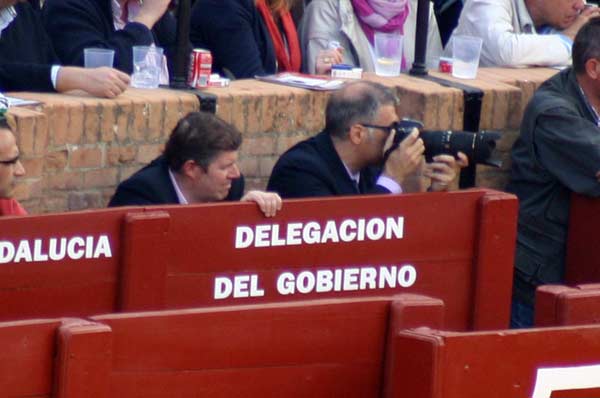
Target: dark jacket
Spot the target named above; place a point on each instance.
(234, 32)
(313, 168)
(557, 152)
(74, 25)
(152, 185)
(26, 53)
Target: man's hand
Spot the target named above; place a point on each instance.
(582, 18)
(100, 82)
(151, 11)
(404, 160)
(443, 170)
(268, 202)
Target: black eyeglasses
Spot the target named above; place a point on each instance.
(388, 129)
(10, 161)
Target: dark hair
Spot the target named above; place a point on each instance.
(586, 45)
(355, 102)
(4, 123)
(200, 136)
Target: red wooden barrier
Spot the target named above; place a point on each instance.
(324, 348)
(457, 246)
(26, 358)
(583, 261)
(60, 264)
(558, 305)
(534, 363)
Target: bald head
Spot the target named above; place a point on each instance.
(357, 102)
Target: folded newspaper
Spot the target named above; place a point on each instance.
(303, 81)
(7, 102)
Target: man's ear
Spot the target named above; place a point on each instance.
(191, 169)
(357, 133)
(592, 68)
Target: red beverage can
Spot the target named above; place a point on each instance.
(204, 68)
(200, 68)
(193, 70)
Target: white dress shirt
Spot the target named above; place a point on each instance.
(509, 35)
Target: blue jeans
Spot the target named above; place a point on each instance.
(521, 315)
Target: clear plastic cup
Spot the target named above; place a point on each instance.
(97, 57)
(388, 53)
(147, 65)
(465, 56)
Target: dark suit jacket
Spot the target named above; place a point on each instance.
(234, 31)
(152, 185)
(313, 168)
(74, 25)
(26, 53)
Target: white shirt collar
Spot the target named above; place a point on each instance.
(180, 197)
(7, 15)
(353, 176)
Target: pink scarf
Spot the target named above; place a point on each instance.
(381, 16)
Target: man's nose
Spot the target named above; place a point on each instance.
(579, 5)
(19, 170)
(234, 172)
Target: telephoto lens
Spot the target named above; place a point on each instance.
(479, 147)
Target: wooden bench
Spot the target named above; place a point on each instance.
(533, 363)
(558, 305)
(323, 348)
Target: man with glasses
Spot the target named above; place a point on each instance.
(345, 158)
(199, 165)
(10, 169)
(557, 152)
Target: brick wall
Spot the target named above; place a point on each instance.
(76, 149)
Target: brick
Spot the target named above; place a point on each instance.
(255, 184)
(140, 122)
(63, 181)
(59, 124)
(41, 138)
(91, 128)
(81, 157)
(123, 116)
(287, 140)
(128, 171)
(84, 200)
(147, 153)
(108, 123)
(105, 177)
(26, 135)
(75, 124)
(55, 203)
(238, 113)
(265, 166)
(224, 104)
(284, 120)
(120, 154)
(33, 166)
(264, 145)
(156, 112)
(28, 188)
(189, 103)
(56, 160)
(249, 166)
